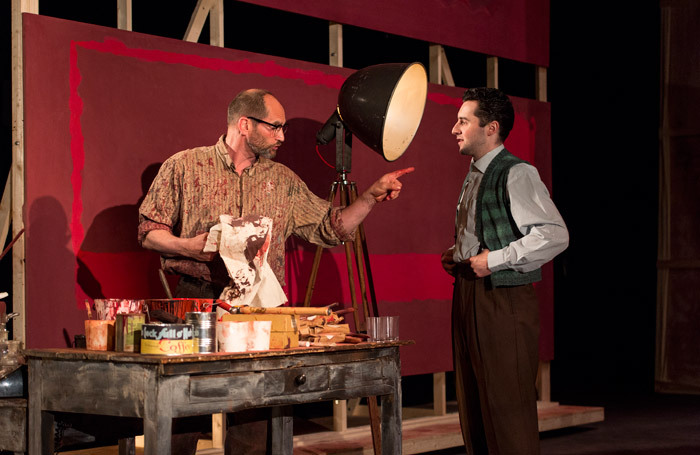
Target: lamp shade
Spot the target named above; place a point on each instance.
(383, 105)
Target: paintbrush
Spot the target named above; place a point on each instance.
(89, 310)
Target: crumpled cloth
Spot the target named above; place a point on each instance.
(243, 244)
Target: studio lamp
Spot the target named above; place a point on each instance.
(382, 105)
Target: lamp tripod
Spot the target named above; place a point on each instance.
(348, 194)
(382, 105)
(347, 191)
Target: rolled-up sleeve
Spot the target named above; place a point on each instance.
(315, 220)
(161, 205)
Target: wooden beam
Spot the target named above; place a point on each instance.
(216, 23)
(199, 16)
(19, 324)
(663, 290)
(340, 415)
(541, 83)
(218, 430)
(544, 391)
(6, 208)
(446, 71)
(492, 72)
(434, 61)
(124, 15)
(439, 71)
(335, 44)
(439, 394)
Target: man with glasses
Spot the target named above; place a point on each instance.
(237, 177)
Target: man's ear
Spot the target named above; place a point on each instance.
(244, 125)
(493, 128)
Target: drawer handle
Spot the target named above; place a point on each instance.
(300, 380)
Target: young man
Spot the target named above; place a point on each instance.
(507, 227)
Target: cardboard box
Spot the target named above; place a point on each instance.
(284, 332)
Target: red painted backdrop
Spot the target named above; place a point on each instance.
(105, 107)
(512, 29)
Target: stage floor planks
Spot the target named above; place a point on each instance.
(421, 432)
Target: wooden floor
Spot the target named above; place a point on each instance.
(420, 433)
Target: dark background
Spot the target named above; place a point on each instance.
(603, 83)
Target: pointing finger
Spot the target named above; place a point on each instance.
(400, 172)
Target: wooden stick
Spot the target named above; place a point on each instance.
(7, 248)
(344, 310)
(324, 311)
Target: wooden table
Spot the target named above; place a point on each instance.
(160, 388)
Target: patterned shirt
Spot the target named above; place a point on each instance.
(195, 186)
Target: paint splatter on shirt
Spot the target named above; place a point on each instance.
(195, 186)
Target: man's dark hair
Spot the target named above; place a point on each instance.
(248, 103)
(492, 104)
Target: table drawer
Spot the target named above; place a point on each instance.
(290, 381)
(296, 380)
(233, 386)
(254, 385)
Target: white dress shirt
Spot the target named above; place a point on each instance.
(544, 232)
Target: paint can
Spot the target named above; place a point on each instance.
(167, 339)
(204, 324)
(99, 335)
(127, 328)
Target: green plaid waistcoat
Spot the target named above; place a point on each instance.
(495, 227)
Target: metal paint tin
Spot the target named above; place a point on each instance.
(167, 339)
(127, 328)
(204, 325)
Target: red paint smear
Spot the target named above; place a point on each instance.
(439, 98)
(268, 68)
(78, 156)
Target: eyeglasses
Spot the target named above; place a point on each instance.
(273, 127)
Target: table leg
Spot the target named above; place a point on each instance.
(158, 420)
(40, 424)
(391, 420)
(127, 446)
(282, 430)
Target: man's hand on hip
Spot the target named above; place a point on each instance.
(480, 264)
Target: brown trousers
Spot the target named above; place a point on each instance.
(495, 346)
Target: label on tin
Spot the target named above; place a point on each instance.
(167, 339)
(167, 347)
(132, 332)
(159, 332)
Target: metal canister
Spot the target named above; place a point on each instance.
(204, 324)
(127, 332)
(167, 339)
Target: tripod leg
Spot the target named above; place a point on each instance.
(357, 243)
(317, 257)
(374, 424)
(360, 252)
(370, 281)
(344, 199)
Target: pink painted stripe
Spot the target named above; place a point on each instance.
(268, 68)
(439, 98)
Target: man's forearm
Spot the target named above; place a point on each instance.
(352, 215)
(163, 242)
